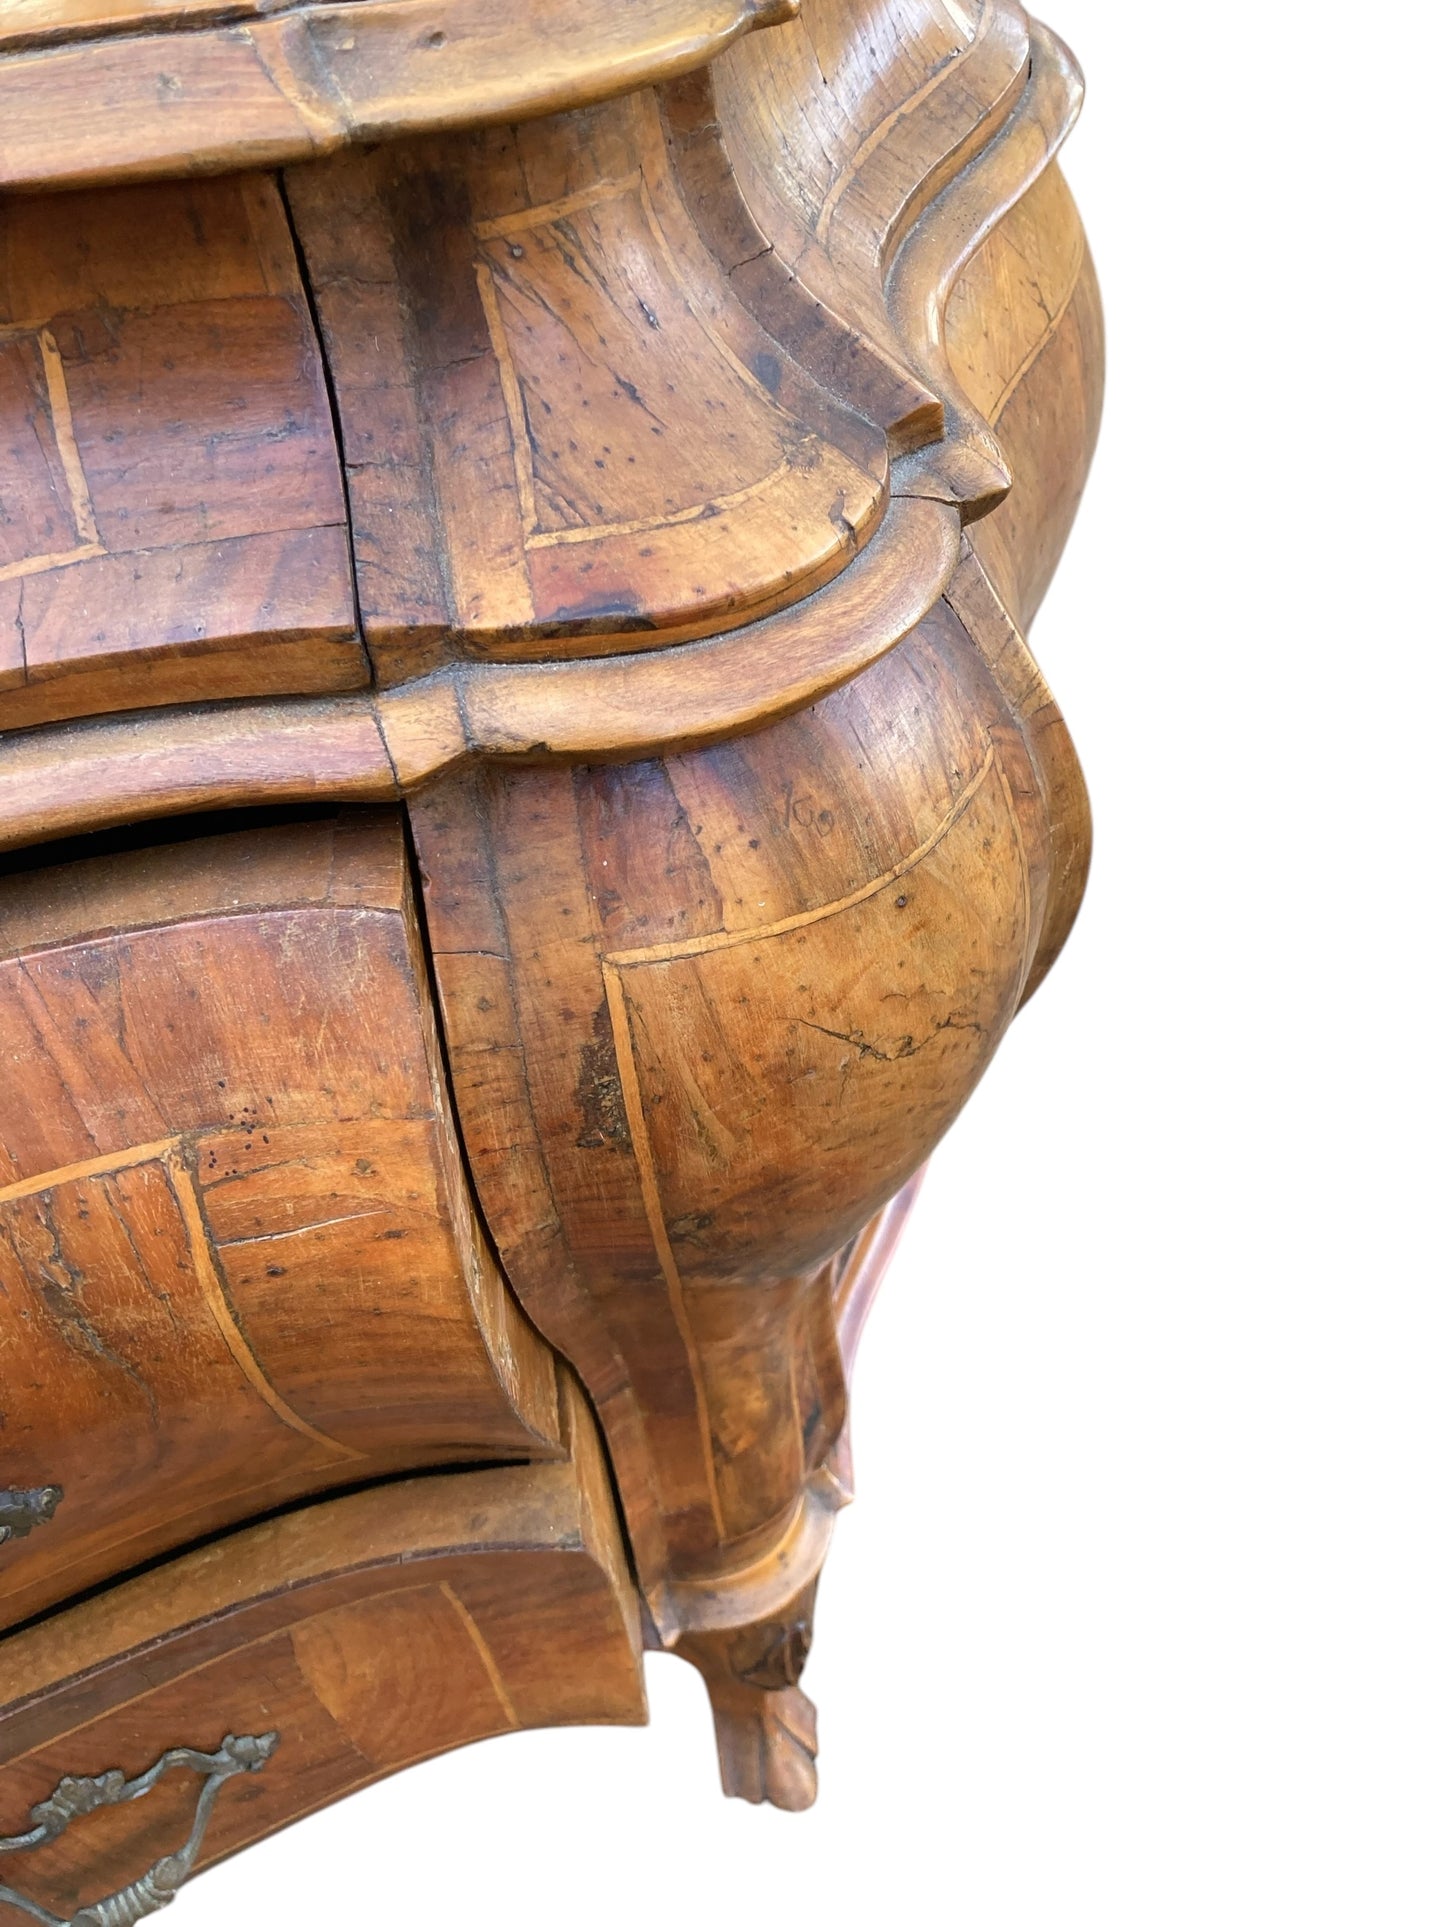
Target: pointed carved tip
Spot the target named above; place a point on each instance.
(970, 470)
(984, 475)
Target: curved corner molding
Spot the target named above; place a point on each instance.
(952, 91)
(252, 84)
(746, 1595)
(926, 268)
(22, 1508)
(378, 746)
(158, 1885)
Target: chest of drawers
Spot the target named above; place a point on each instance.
(527, 809)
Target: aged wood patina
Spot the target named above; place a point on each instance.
(527, 808)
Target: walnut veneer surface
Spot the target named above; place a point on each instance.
(528, 808)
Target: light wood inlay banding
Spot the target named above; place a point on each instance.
(183, 1186)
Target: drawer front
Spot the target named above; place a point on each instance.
(298, 1660)
(174, 524)
(238, 1262)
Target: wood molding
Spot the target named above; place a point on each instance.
(123, 90)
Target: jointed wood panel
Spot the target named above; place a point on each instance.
(563, 433)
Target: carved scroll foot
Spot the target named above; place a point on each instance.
(767, 1727)
(767, 1743)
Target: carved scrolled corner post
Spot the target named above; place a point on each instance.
(767, 1727)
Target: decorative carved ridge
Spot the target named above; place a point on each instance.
(157, 1887)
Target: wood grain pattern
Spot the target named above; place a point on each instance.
(973, 596)
(932, 257)
(1031, 293)
(374, 747)
(238, 1257)
(563, 433)
(172, 523)
(876, 108)
(1041, 384)
(710, 410)
(93, 93)
(705, 1015)
(368, 1631)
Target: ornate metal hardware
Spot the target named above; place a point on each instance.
(23, 1508)
(158, 1886)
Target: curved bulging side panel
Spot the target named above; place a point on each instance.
(705, 1015)
(645, 486)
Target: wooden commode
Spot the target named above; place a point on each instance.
(526, 809)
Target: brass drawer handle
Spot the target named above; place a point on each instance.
(23, 1508)
(158, 1886)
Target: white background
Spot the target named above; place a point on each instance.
(1139, 1617)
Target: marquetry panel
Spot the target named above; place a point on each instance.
(706, 1014)
(171, 516)
(717, 1034)
(365, 1633)
(237, 1256)
(563, 433)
